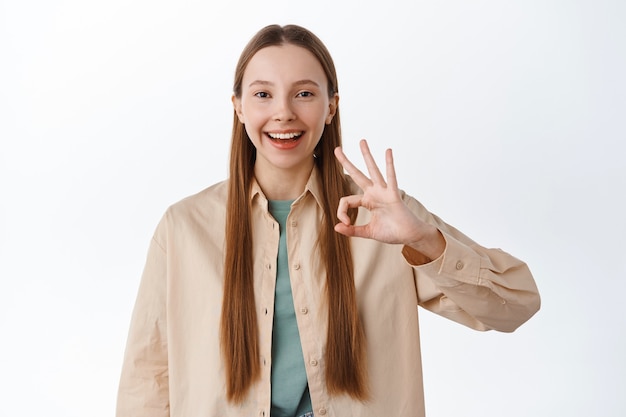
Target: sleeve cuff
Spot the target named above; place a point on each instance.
(458, 264)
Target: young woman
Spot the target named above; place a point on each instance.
(291, 288)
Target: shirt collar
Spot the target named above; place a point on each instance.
(313, 186)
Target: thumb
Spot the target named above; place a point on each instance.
(351, 231)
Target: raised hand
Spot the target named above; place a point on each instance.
(391, 220)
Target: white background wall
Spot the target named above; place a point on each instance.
(506, 118)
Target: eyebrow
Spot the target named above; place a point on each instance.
(297, 83)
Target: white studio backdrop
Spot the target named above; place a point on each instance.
(506, 119)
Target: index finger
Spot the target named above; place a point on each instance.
(358, 177)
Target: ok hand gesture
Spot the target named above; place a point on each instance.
(391, 220)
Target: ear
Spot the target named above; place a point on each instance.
(333, 105)
(237, 106)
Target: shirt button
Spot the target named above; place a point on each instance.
(304, 310)
(294, 223)
(262, 413)
(313, 362)
(322, 411)
(265, 311)
(269, 266)
(296, 267)
(459, 265)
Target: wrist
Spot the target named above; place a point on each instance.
(431, 244)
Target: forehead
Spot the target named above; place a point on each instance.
(284, 64)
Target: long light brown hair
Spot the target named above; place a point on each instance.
(346, 366)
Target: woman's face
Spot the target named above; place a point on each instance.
(284, 106)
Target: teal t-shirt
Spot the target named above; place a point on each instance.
(290, 391)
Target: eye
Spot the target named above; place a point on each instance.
(305, 94)
(262, 94)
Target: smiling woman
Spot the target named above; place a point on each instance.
(284, 106)
(256, 301)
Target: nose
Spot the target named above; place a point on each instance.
(283, 110)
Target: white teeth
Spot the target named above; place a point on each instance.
(284, 135)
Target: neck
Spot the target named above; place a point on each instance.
(283, 184)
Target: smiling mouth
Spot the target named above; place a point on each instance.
(285, 137)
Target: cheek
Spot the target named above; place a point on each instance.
(253, 116)
(254, 129)
(252, 133)
(314, 115)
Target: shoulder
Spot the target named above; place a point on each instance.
(203, 210)
(211, 198)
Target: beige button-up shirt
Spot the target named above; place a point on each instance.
(173, 365)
